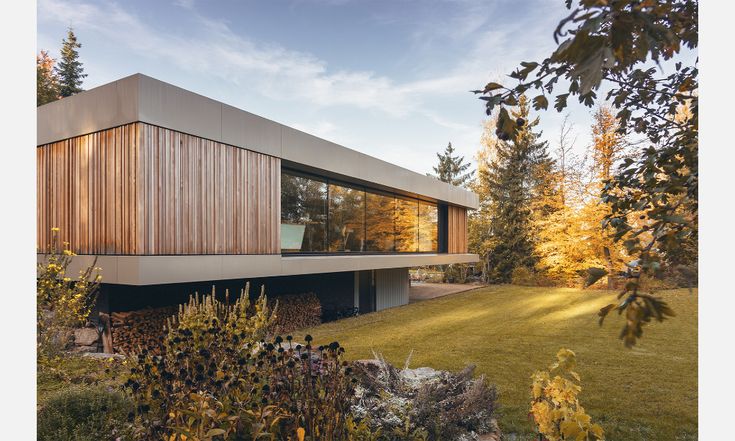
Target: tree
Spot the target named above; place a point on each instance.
(623, 45)
(517, 182)
(47, 83)
(452, 169)
(69, 69)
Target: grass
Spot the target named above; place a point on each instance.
(75, 369)
(645, 393)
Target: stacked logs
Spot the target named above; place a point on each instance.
(143, 329)
(133, 331)
(295, 312)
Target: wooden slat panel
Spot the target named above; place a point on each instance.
(86, 189)
(457, 230)
(209, 198)
(141, 189)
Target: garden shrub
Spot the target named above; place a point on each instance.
(555, 407)
(84, 413)
(424, 403)
(61, 302)
(457, 273)
(523, 276)
(220, 378)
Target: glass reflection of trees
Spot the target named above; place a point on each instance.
(346, 219)
(320, 216)
(303, 203)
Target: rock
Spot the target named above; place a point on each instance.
(495, 434)
(103, 355)
(85, 349)
(420, 374)
(85, 336)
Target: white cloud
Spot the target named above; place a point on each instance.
(278, 72)
(212, 49)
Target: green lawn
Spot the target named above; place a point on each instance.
(647, 393)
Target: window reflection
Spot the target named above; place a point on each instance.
(407, 214)
(318, 216)
(303, 214)
(346, 219)
(428, 227)
(380, 224)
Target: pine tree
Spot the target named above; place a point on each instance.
(452, 169)
(47, 83)
(69, 69)
(518, 180)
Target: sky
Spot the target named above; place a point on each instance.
(388, 78)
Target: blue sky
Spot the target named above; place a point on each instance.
(388, 78)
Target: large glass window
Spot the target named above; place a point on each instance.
(380, 223)
(318, 216)
(428, 227)
(407, 225)
(303, 214)
(346, 219)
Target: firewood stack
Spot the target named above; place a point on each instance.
(296, 312)
(133, 331)
(143, 329)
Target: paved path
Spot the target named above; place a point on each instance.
(424, 291)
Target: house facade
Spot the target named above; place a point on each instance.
(173, 192)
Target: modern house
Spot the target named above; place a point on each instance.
(173, 191)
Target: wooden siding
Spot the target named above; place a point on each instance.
(145, 190)
(86, 188)
(457, 230)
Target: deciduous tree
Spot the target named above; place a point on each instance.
(47, 83)
(624, 44)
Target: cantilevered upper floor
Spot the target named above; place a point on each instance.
(165, 185)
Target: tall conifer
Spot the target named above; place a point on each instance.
(452, 169)
(517, 182)
(69, 69)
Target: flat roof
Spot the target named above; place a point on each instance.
(140, 98)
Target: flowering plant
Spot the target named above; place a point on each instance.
(62, 303)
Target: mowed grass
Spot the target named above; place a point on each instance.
(645, 393)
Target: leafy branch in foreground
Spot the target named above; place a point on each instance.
(653, 197)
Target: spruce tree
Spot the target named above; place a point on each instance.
(69, 69)
(452, 169)
(47, 83)
(518, 182)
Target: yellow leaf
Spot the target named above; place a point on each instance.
(569, 429)
(597, 431)
(300, 433)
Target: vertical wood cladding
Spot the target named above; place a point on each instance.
(457, 230)
(86, 188)
(141, 189)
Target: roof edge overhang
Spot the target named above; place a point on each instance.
(140, 98)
